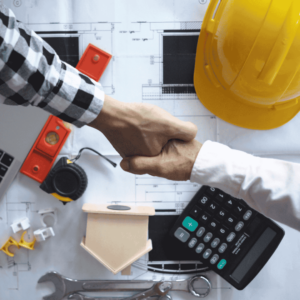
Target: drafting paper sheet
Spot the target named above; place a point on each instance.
(148, 41)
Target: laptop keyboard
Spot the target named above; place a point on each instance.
(5, 162)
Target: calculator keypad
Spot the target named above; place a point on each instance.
(239, 209)
(195, 212)
(207, 237)
(192, 242)
(182, 235)
(200, 247)
(204, 218)
(247, 215)
(214, 223)
(230, 237)
(222, 248)
(239, 226)
(214, 259)
(200, 231)
(207, 253)
(215, 243)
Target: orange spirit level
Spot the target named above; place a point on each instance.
(45, 149)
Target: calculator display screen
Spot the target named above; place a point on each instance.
(252, 256)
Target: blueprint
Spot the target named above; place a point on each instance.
(153, 44)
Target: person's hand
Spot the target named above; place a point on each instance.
(175, 162)
(139, 128)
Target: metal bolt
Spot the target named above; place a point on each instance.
(96, 58)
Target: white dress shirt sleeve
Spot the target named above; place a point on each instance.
(268, 185)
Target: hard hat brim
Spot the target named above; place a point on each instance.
(238, 113)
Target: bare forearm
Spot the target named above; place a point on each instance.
(138, 128)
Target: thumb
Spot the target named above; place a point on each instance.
(141, 165)
(185, 131)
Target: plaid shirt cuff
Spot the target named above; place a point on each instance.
(31, 73)
(76, 98)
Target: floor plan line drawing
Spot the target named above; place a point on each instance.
(153, 44)
(70, 41)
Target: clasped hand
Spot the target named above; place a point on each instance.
(141, 131)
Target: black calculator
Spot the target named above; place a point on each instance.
(227, 235)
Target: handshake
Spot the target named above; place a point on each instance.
(150, 140)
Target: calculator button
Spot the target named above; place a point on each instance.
(190, 224)
(214, 224)
(207, 253)
(195, 212)
(207, 237)
(0, 179)
(229, 203)
(204, 218)
(213, 207)
(214, 259)
(192, 242)
(239, 209)
(247, 215)
(200, 248)
(181, 234)
(212, 190)
(1, 153)
(221, 213)
(239, 226)
(222, 248)
(223, 231)
(215, 243)
(222, 263)
(220, 197)
(7, 159)
(230, 237)
(3, 170)
(230, 220)
(203, 201)
(200, 232)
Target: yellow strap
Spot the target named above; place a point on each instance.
(61, 198)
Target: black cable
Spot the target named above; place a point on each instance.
(87, 148)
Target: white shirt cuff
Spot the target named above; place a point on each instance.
(219, 166)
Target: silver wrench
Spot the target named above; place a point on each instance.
(65, 286)
(160, 289)
(78, 296)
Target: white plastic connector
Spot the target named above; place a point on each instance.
(52, 212)
(22, 224)
(43, 233)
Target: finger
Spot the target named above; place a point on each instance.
(185, 131)
(142, 165)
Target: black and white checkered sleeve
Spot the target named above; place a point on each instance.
(31, 73)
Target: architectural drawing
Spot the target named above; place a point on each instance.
(153, 44)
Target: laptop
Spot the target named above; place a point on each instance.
(19, 128)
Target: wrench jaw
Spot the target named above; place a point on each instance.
(59, 285)
(164, 287)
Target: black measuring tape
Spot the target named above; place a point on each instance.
(67, 181)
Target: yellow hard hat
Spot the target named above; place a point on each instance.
(247, 69)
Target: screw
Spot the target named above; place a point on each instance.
(96, 58)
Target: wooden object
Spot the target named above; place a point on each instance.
(117, 238)
(126, 271)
